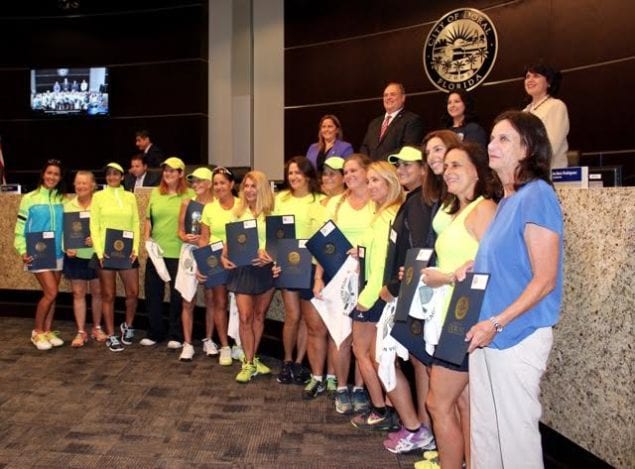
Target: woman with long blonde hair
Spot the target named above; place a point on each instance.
(252, 284)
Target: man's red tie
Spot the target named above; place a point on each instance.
(384, 127)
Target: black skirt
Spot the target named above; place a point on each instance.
(250, 280)
(78, 269)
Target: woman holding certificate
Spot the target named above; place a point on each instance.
(352, 212)
(83, 277)
(41, 211)
(114, 208)
(387, 195)
(213, 191)
(302, 200)
(252, 284)
(466, 212)
(523, 253)
(162, 227)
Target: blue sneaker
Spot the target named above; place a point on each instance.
(343, 404)
(127, 333)
(359, 399)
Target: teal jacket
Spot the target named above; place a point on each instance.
(40, 210)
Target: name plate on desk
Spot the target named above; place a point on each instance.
(294, 260)
(118, 249)
(10, 189)
(330, 247)
(76, 229)
(463, 313)
(208, 262)
(576, 177)
(242, 241)
(40, 245)
(279, 227)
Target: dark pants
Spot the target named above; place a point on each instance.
(155, 292)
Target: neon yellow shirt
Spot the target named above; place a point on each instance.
(113, 208)
(216, 217)
(303, 209)
(353, 223)
(163, 213)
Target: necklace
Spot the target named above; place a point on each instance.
(533, 108)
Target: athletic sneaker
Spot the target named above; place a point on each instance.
(404, 441)
(247, 372)
(313, 389)
(359, 399)
(343, 404)
(209, 348)
(237, 353)
(331, 387)
(127, 333)
(54, 338)
(286, 373)
(174, 345)
(40, 341)
(113, 344)
(225, 356)
(261, 368)
(374, 422)
(301, 374)
(430, 461)
(147, 342)
(187, 353)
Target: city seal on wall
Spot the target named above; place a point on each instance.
(460, 50)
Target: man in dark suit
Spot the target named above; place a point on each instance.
(397, 128)
(153, 156)
(139, 176)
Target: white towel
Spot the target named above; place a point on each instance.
(339, 297)
(155, 253)
(233, 327)
(186, 282)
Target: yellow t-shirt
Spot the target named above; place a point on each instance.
(353, 223)
(303, 209)
(216, 217)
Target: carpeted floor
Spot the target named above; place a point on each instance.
(143, 408)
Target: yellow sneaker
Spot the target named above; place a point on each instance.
(430, 461)
(247, 372)
(261, 368)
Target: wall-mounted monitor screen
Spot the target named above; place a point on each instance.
(70, 91)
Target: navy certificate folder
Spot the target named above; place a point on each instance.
(242, 242)
(117, 249)
(330, 247)
(463, 313)
(76, 229)
(208, 262)
(294, 260)
(40, 245)
(416, 259)
(278, 227)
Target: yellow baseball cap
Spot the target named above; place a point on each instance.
(335, 162)
(116, 166)
(174, 163)
(407, 153)
(200, 173)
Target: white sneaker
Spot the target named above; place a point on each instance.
(175, 345)
(54, 338)
(225, 357)
(209, 348)
(187, 353)
(147, 342)
(237, 353)
(40, 341)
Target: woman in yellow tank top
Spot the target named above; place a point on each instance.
(465, 214)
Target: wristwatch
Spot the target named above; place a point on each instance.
(497, 325)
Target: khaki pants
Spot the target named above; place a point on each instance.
(504, 403)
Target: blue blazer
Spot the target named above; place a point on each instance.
(340, 148)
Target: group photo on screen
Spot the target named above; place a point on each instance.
(70, 91)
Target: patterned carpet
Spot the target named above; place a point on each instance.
(143, 408)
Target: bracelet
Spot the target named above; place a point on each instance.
(497, 325)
